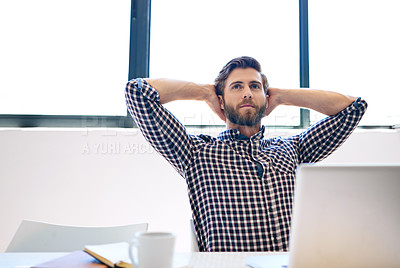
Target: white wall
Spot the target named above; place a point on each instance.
(111, 177)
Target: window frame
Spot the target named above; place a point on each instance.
(139, 58)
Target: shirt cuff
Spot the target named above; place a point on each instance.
(147, 90)
(358, 105)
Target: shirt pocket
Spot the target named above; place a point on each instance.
(282, 160)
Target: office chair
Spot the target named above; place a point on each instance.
(193, 238)
(33, 236)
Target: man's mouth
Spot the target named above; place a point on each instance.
(247, 105)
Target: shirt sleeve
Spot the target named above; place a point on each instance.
(159, 127)
(324, 137)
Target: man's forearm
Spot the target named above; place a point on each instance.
(171, 90)
(326, 102)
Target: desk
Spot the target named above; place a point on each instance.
(193, 260)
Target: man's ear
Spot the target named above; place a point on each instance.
(221, 102)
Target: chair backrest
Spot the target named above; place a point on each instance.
(33, 236)
(193, 238)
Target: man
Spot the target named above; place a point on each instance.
(240, 185)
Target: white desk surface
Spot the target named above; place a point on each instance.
(181, 260)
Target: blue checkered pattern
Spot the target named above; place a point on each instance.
(240, 189)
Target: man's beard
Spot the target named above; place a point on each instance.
(249, 118)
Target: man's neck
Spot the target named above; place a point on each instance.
(248, 131)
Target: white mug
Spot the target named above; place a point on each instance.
(154, 250)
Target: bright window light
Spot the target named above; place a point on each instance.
(354, 49)
(192, 40)
(64, 57)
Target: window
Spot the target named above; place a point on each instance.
(194, 39)
(66, 63)
(64, 57)
(354, 49)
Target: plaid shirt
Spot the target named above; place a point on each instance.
(240, 189)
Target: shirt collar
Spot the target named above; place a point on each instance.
(234, 134)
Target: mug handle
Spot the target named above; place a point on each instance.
(134, 244)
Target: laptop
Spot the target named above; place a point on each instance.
(343, 216)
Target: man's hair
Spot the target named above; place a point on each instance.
(240, 62)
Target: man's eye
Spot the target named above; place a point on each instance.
(255, 86)
(236, 86)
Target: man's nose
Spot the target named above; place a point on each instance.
(247, 94)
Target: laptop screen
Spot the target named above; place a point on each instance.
(346, 216)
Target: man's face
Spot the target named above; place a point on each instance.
(244, 101)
